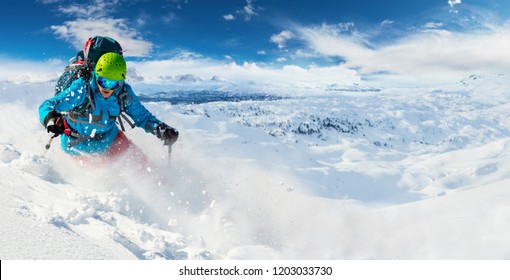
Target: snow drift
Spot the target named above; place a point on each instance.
(327, 172)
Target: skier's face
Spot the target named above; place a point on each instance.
(106, 93)
(106, 86)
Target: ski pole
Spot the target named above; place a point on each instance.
(170, 151)
(49, 143)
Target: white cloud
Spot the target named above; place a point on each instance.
(21, 71)
(433, 25)
(281, 39)
(168, 18)
(248, 11)
(94, 9)
(432, 55)
(92, 19)
(78, 31)
(244, 72)
(176, 3)
(329, 40)
(140, 21)
(228, 17)
(452, 3)
(48, 1)
(387, 22)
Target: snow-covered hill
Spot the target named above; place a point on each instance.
(264, 172)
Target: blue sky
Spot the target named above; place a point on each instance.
(368, 37)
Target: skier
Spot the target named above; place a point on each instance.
(94, 132)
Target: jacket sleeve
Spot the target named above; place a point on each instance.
(140, 115)
(66, 100)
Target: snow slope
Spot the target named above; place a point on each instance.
(265, 172)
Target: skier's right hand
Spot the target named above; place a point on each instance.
(54, 124)
(167, 133)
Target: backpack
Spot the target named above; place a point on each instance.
(82, 65)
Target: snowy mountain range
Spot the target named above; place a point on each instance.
(265, 171)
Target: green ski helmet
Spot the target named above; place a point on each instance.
(111, 66)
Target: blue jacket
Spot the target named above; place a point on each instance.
(98, 126)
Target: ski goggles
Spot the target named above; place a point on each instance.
(108, 84)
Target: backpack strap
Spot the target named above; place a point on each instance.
(77, 137)
(82, 138)
(123, 97)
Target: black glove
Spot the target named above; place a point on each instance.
(167, 133)
(54, 124)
